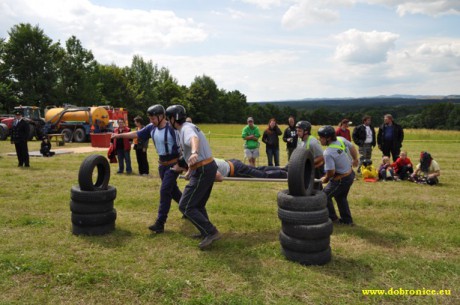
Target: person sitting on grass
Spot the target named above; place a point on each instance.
(427, 171)
(403, 166)
(386, 171)
(368, 171)
(45, 147)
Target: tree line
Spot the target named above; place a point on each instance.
(35, 71)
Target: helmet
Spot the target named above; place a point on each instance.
(304, 125)
(367, 162)
(177, 112)
(156, 110)
(326, 131)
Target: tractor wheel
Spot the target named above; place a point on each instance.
(81, 207)
(67, 134)
(85, 175)
(76, 194)
(96, 230)
(79, 135)
(4, 132)
(92, 220)
(303, 218)
(31, 132)
(318, 258)
(317, 201)
(301, 173)
(317, 231)
(304, 245)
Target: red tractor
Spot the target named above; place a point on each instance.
(31, 114)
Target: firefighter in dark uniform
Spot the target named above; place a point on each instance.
(19, 137)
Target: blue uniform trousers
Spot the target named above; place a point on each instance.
(168, 191)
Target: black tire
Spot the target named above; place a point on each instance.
(96, 230)
(303, 218)
(301, 173)
(303, 245)
(317, 201)
(92, 220)
(318, 258)
(4, 132)
(79, 135)
(67, 134)
(85, 175)
(76, 194)
(91, 208)
(317, 231)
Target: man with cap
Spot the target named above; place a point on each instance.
(19, 137)
(164, 138)
(201, 174)
(251, 135)
(343, 131)
(338, 172)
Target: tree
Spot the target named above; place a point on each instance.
(203, 96)
(30, 59)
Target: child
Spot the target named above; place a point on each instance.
(403, 166)
(386, 172)
(367, 170)
(45, 147)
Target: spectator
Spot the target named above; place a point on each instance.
(427, 171)
(189, 120)
(19, 137)
(386, 171)
(122, 147)
(390, 137)
(251, 135)
(364, 137)
(45, 147)
(140, 147)
(403, 166)
(271, 140)
(290, 136)
(343, 131)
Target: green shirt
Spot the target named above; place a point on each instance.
(247, 131)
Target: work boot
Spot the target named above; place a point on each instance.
(157, 227)
(208, 240)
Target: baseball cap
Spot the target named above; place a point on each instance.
(250, 119)
(346, 121)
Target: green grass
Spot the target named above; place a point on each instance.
(407, 236)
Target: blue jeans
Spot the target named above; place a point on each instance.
(273, 153)
(124, 156)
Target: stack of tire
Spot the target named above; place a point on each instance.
(91, 204)
(305, 224)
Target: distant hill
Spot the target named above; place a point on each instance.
(351, 104)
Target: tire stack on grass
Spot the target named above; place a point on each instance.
(91, 204)
(305, 224)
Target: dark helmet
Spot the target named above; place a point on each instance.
(367, 162)
(326, 131)
(156, 110)
(177, 112)
(304, 125)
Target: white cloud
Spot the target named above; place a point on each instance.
(425, 7)
(364, 47)
(265, 4)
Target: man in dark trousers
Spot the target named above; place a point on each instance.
(364, 137)
(290, 136)
(390, 137)
(19, 137)
(201, 172)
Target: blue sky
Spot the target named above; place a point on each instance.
(268, 49)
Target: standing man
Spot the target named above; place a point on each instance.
(165, 140)
(307, 141)
(364, 137)
(140, 147)
(251, 135)
(122, 147)
(19, 136)
(339, 173)
(290, 136)
(202, 171)
(390, 137)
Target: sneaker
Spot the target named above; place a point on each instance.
(208, 240)
(157, 227)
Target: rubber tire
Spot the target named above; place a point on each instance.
(76, 194)
(91, 208)
(79, 135)
(67, 134)
(317, 201)
(92, 231)
(301, 173)
(303, 245)
(92, 220)
(85, 175)
(318, 258)
(4, 132)
(317, 231)
(303, 218)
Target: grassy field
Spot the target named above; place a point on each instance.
(407, 236)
